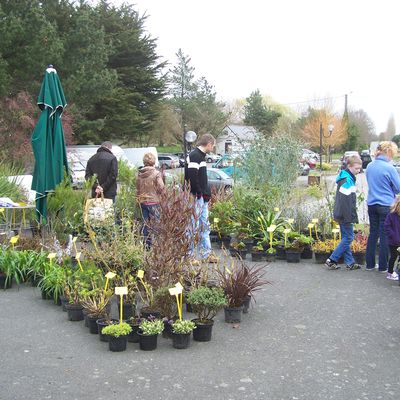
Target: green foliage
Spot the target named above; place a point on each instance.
(222, 217)
(117, 330)
(153, 327)
(206, 301)
(10, 187)
(183, 327)
(258, 115)
(353, 136)
(125, 201)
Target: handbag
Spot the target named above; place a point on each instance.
(99, 211)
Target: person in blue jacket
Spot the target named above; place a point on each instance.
(383, 186)
(345, 213)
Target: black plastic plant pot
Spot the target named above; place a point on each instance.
(118, 343)
(64, 302)
(246, 304)
(92, 324)
(147, 342)
(189, 308)
(133, 337)
(225, 241)
(128, 310)
(292, 256)
(75, 312)
(359, 258)
(280, 253)
(306, 254)
(270, 257)
(85, 314)
(203, 331)
(233, 315)
(256, 256)
(320, 258)
(181, 340)
(146, 313)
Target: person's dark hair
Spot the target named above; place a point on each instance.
(205, 139)
(107, 144)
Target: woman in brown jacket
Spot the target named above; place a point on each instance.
(149, 186)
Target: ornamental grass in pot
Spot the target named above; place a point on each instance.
(118, 335)
(238, 282)
(181, 331)
(96, 302)
(206, 303)
(148, 333)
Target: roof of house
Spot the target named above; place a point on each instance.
(240, 132)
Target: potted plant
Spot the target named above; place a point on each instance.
(181, 331)
(238, 249)
(322, 249)
(206, 303)
(257, 252)
(118, 335)
(102, 323)
(96, 302)
(238, 282)
(270, 254)
(359, 247)
(307, 241)
(148, 333)
(294, 250)
(74, 308)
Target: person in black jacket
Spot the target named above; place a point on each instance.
(104, 165)
(345, 213)
(196, 177)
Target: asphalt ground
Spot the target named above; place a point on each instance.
(313, 334)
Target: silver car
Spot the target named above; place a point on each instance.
(218, 179)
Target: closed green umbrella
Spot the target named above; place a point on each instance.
(48, 141)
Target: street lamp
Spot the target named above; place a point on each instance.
(321, 134)
(189, 137)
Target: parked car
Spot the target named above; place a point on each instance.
(212, 157)
(309, 154)
(365, 158)
(169, 160)
(77, 170)
(218, 179)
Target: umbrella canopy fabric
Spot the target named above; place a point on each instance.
(48, 141)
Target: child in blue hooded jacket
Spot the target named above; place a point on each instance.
(345, 213)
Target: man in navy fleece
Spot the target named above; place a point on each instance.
(196, 177)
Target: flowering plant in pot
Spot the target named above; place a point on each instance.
(206, 303)
(238, 249)
(181, 331)
(238, 282)
(149, 330)
(322, 249)
(118, 335)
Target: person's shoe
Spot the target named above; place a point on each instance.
(353, 266)
(392, 277)
(382, 271)
(212, 258)
(370, 269)
(331, 264)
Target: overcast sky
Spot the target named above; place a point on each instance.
(292, 50)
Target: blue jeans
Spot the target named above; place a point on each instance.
(377, 215)
(148, 211)
(343, 248)
(203, 228)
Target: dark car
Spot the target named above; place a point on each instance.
(365, 158)
(219, 180)
(181, 157)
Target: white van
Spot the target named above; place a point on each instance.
(135, 155)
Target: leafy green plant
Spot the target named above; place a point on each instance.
(206, 301)
(95, 301)
(151, 327)
(53, 281)
(11, 266)
(183, 327)
(117, 330)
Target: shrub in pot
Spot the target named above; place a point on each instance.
(322, 249)
(270, 254)
(181, 331)
(238, 249)
(294, 250)
(118, 335)
(148, 333)
(96, 302)
(257, 252)
(206, 303)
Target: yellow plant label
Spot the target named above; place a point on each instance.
(216, 220)
(271, 228)
(121, 290)
(310, 226)
(14, 239)
(140, 274)
(74, 239)
(276, 209)
(110, 275)
(287, 230)
(78, 255)
(314, 220)
(290, 220)
(173, 291)
(179, 287)
(2, 210)
(51, 256)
